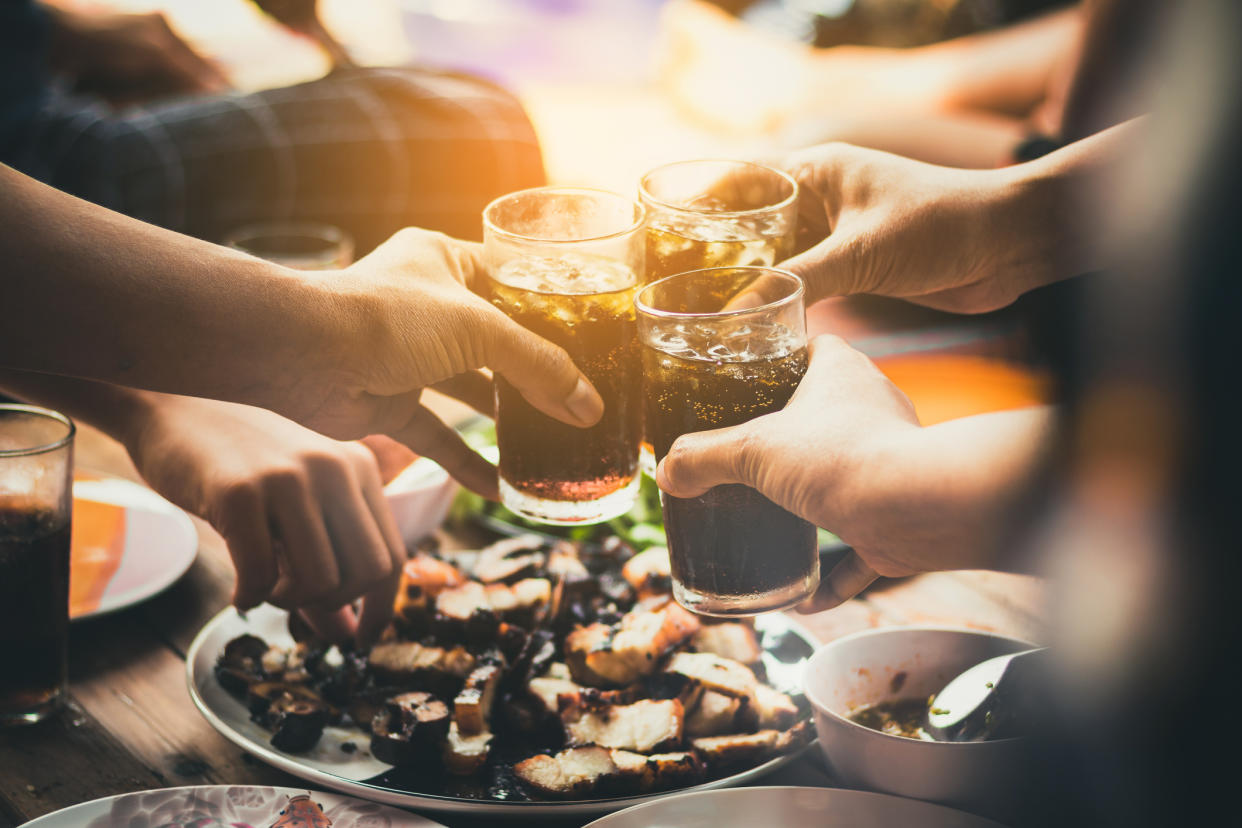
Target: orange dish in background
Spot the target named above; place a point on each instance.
(96, 550)
(949, 386)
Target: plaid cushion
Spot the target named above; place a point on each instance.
(369, 150)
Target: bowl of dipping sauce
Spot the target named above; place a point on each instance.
(870, 692)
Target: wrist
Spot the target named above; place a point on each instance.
(1022, 223)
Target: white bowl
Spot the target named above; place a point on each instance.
(419, 498)
(902, 662)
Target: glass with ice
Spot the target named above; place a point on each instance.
(565, 263)
(733, 551)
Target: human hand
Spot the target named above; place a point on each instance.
(304, 516)
(129, 57)
(958, 240)
(405, 320)
(847, 453)
(302, 16)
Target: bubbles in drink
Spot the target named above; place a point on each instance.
(570, 273)
(723, 341)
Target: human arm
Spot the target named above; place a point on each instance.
(303, 516)
(127, 57)
(848, 454)
(346, 353)
(954, 239)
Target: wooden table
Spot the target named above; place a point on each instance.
(130, 724)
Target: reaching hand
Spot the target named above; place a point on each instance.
(409, 321)
(304, 516)
(130, 57)
(848, 454)
(957, 240)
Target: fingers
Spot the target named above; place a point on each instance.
(849, 577)
(541, 372)
(697, 462)
(474, 388)
(377, 603)
(333, 625)
(243, 525)
(426, 434)
(310, 570)
(362, 553)
(189, 70)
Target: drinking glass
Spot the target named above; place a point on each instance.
(565, 263)
(36, 502)
(301, 245)
(706, 366)
(716, 213)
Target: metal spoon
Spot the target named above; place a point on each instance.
(995, 699)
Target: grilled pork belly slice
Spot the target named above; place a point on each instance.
(409, 729)
(643, 726)
(465, 755)
(724, 675)
(571, 773)
(658, 772)
(472, 709)
(411, 663)
(601, 655)
(563, 561)
(547, 690)
(731, 639)
(510, 560)
(714, 714)
(518, 603)
(649, 572)
(773, 708)
(750, 748)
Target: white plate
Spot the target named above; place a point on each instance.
(748, 807)
(223, 805)
(141, 544)
(787, 647)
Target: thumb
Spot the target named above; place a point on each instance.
(542, 372)
(822, 271)
(699, 461)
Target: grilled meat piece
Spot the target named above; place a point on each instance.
(517, 604)
(564, 561)
(409, 729)
(773, 709)
(601, 655)
(240, 665)
(298, 723)
(571, 773)
(643, 726)
(510, 560)
(723, 675)
(658, 772)
(731, 639)
(649, 573)
(472, 709)
(547, 691)
(713, 714)
(408, 662)
(465, 755)
(750, 748)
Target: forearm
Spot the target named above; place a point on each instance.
(951, 490)
(1006, 71)
(115, 410)
(1046, 225)
(97, 295)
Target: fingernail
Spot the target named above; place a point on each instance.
(584, 403)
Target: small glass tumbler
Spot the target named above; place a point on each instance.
(300, 245)
(732, 550)
(36, 504)
(565, 263)
(716, 213)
